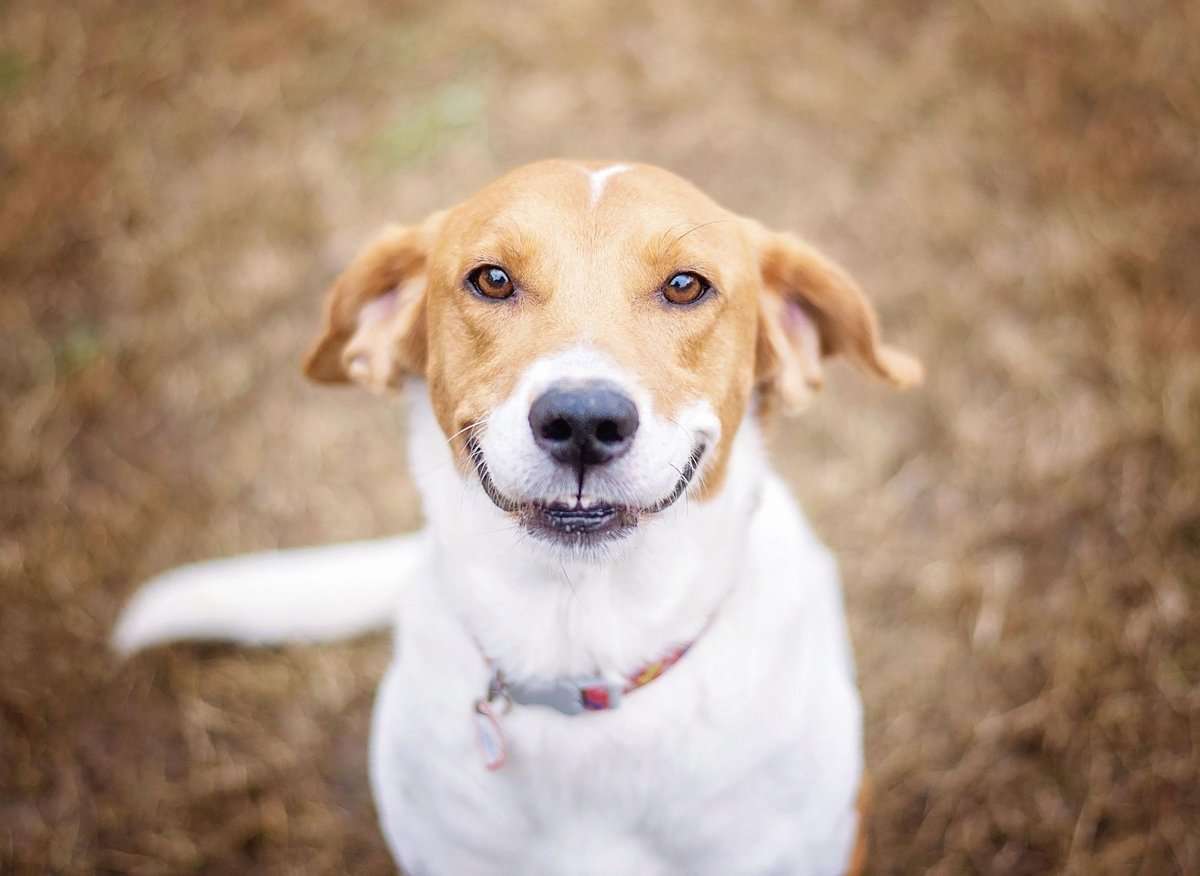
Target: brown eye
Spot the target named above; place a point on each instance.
(491, 282)
(685, 288)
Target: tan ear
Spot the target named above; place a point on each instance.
(810, 309)
(374, 322)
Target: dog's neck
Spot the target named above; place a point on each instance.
(536, 612)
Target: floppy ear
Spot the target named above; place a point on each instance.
(373, 331)
(809, 309)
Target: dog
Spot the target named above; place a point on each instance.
(619, 647)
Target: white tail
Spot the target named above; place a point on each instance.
(308, 595)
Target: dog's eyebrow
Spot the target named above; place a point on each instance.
(696, 227)
(663, 260)
(501, 241)
(669, 247)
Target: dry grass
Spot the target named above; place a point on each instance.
(1017, 184)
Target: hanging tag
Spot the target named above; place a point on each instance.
(491, 737)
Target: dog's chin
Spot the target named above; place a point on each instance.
(580, 528)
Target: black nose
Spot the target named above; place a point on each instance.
(584, 424)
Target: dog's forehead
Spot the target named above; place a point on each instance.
(589, 206)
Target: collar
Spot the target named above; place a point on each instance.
(569, 696)
(586, 693)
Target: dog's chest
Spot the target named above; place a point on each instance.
(731, 763)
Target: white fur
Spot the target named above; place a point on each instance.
(745, 758)
(307, 594)
(646, 474)
(598, 179)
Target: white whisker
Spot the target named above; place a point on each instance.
(474, 424)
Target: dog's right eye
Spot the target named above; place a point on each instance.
(491, 282)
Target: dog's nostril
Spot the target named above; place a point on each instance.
(608, 432)
(557, 429)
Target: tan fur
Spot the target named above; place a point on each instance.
(592, 273)
(798, 278)
(858, 858)
(393, 262)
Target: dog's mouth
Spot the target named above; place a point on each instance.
(579, 524)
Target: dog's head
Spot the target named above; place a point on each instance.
(592, 337)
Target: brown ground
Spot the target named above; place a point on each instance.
(1018, 187)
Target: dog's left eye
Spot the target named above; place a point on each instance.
(686, 288)
(491, 282)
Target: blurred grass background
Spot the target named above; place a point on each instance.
(1016, 184)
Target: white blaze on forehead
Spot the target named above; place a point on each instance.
(597, 179)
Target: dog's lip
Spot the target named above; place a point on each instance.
(577, 519)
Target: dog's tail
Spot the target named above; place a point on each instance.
(304, 595)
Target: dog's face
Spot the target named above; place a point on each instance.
(592, 337)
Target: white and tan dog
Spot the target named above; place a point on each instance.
(619, 648)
